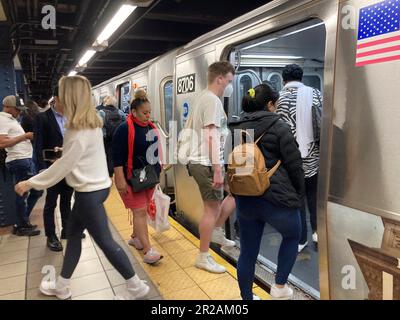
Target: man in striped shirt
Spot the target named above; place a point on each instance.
(296, 105)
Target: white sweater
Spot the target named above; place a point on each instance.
(83, 163)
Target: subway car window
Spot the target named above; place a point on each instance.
(125, 97)
(168, 94)
(266, 58)
(275, 80)
(313, 82)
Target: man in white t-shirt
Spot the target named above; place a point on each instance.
(19, 159)
(206, 160)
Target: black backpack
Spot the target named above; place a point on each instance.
(111, 122)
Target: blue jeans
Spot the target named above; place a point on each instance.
(253, 214)
(23, 170)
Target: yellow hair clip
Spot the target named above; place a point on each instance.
(252, 93)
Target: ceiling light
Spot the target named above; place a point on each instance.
(86, 57)
(284, 35)
(123, 13)
(72, 73)
(46, 42)
(254, 56)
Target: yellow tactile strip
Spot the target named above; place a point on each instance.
(175, 275)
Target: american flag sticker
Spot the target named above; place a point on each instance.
(379, 33)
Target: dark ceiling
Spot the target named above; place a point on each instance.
(150, 31)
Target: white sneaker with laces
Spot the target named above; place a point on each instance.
(302, 246)
(284, 293)
(136, 289)
(58, 289)
(206, 262)
(315, 237)
(218, 236)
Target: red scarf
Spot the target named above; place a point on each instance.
(131, 120)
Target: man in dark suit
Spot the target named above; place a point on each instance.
(49, 133)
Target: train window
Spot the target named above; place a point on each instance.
(245, 84)
(244, 80)
(124, 95)
(313, 81)
(168, 107)
(275, 80)
(265, 58)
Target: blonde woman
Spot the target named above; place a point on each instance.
(83, 165)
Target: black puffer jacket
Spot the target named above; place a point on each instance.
(287, 184)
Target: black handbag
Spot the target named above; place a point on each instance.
(145, 178)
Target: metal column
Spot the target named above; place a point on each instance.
(7, 87)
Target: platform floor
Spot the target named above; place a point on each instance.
(173, 278)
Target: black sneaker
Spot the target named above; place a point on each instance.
(30, 226)
(64, 235)
(54, 244)
(27, 226)
(26, 232)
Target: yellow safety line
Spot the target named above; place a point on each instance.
(196, 242)
(229, 268)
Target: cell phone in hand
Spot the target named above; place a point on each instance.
(51, 154)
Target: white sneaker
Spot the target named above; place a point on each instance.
(284, 293)
(152, 256)
(207, 262)
(49, 288)
(218, 236)
(315, 237)
(302, 246)
(255, 297)
(136, 289)
(135, 242)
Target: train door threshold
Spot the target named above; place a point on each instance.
(266, 275)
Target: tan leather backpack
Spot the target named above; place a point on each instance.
(247, 173)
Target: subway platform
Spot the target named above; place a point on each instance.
(173, 278)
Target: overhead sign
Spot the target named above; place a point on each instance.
(186, 84)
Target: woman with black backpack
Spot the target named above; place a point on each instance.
(279, 205)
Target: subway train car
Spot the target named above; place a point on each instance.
(358, 250)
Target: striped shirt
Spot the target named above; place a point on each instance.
(286, 108)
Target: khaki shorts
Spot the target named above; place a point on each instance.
(204, 177)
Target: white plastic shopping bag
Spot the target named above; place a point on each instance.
(159, 222)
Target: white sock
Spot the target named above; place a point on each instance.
(62, 282)
(218, 229)
(203, 255)
(132, 282)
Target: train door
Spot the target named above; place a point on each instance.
(262, 61)
(166, 102)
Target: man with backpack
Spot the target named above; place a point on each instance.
(112, 118)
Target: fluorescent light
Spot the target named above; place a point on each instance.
(284, 36)
(72, 73)
(254, 56)
(259, 43)
(123, 13)
(86, 57)
(46, 42)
